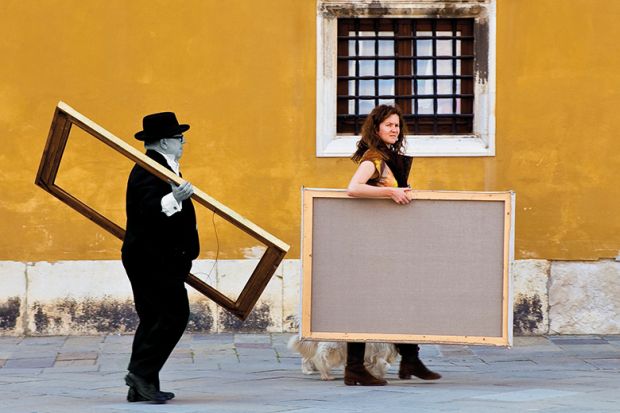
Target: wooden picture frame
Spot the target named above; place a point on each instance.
(65, 117)
(434, 271)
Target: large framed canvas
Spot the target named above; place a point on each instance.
(434, 271)
(65, 117)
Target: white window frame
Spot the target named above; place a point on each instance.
(480, 143)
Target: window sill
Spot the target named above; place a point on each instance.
(418, 146)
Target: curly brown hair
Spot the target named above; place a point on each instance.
(370, 138)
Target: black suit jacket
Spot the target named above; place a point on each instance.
(149, 232)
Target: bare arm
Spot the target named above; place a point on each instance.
(358, 187)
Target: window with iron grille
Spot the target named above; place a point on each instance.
(433, 58)
(425, 66)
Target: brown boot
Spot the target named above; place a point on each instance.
(417, 368)
(410, 364)
(357, 374)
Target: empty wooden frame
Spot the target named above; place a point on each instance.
(65, 117)
(433, 271)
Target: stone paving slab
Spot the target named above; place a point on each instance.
(84, 341)
(27, 363)
(257, 373)
(42, 341)
(77, 355)
(74, 363)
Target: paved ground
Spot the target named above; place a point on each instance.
(256, 373)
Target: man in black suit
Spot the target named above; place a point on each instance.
(160, 243)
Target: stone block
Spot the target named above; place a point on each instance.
(530, 296)
(584, 297)
(48, 281)
(12, 297)
(291, 295)
(203, 311)
(79, 297)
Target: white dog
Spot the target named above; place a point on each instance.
(323, 356)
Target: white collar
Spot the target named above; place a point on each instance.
(171, 161)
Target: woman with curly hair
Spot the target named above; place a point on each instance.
(382, 172)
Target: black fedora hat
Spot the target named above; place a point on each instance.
(159, 126)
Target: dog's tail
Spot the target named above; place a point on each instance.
(304, 347)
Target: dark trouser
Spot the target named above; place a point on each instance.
(355, 352)
(163, 308)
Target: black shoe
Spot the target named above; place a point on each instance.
(133, 396)
(142, 390)
(167, 394)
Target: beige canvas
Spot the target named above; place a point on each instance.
(433, 270)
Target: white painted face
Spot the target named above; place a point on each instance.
(389, 129)
(173, 146)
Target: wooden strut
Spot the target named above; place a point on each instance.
(65, 117)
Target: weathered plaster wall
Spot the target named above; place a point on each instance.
(240, 73)
(243, 75)
(556, 126)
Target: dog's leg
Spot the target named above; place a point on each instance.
(307, 366)
(325, 373)
(380, 368)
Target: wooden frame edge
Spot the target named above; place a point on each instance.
(507, 197)
(306, 262)
(65, 116)
(407, 338)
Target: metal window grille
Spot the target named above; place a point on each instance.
(425, 66)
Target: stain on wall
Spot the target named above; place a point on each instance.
(528, 314)
(9, 313)
(200, 317)
(291, 323)
(258, 320)
(106, 315)
(95, 316)
(88, 316)
(41, 321)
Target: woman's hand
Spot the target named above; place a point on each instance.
(400, 195)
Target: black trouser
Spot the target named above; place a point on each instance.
(163, 308)
(355, 352)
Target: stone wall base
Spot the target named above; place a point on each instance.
(94, 297)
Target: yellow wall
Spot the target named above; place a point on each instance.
(242, 73)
